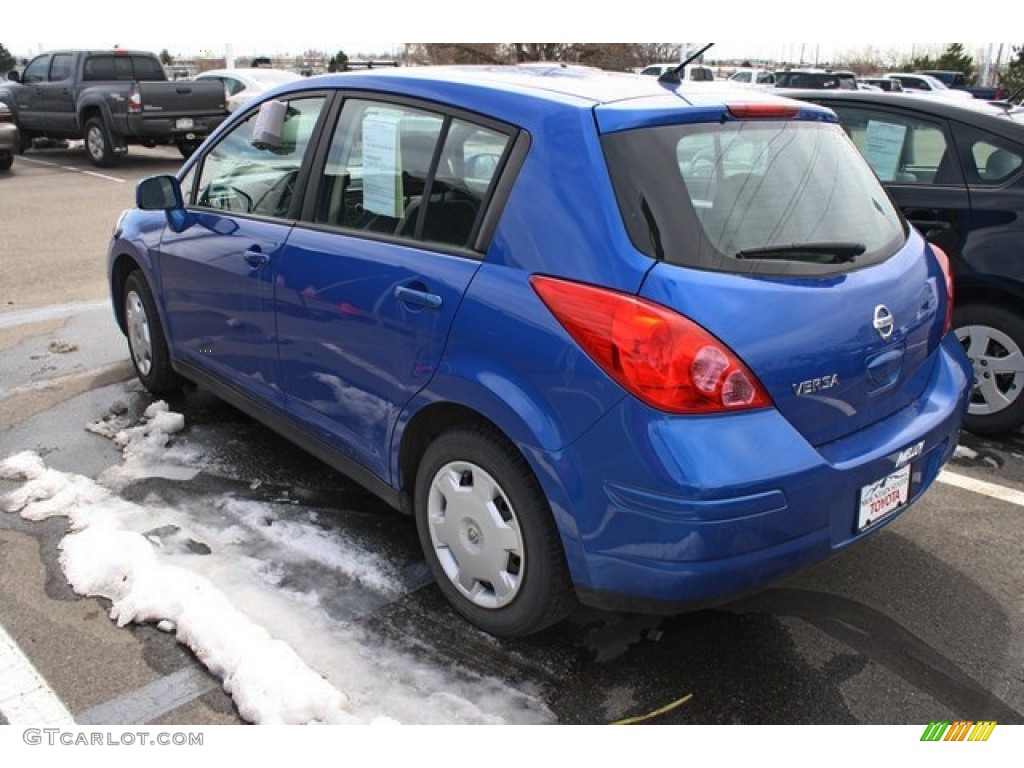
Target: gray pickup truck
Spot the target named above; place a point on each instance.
(111, 99)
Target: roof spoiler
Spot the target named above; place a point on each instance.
(672, 77)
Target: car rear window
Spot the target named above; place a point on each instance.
(715, 196)
(123, 67)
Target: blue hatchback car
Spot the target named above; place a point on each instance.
(608, 339)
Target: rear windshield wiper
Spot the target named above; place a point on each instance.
(823, 253)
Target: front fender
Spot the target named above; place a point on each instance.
(134, 245)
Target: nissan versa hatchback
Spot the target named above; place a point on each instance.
(607, 340)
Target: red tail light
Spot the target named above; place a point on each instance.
(6, 117)
(135, 100)
(656, 354)
(947, 272)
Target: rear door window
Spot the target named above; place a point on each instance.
(902, 148)
(399, 171)
(60, 69)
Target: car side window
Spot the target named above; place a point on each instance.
(987, 160)
(240, 176)
(401, 171)
(60, 69)
(36, 70)
(900, 148)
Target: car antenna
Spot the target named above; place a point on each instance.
(672, 77)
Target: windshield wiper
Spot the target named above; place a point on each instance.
(822, 253)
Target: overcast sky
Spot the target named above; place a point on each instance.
(383, 26)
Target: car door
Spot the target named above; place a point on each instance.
(991, 251)
(915, 157)
(368, 288)
(56, 96)
(29, 98)
(217, 274)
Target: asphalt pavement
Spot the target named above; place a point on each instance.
(922, 622)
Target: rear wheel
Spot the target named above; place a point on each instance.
(6, 161)
(98, 143)
(146, 340)
(993, 338)
(488, 535)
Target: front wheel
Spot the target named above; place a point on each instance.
(993, 338)
(98, 143)
(187, 146)
(146, 340)
(488, 535)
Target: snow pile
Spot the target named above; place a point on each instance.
(146, 446)
(201, 575)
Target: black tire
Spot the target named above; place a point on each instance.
(993, 338)
(146, 341)
(186, 148)
(499, 560)
(98, 144)
(6, 161)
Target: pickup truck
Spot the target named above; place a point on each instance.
(111, 99)
(958, 81)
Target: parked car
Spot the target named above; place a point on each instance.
(10, 141)
(711, 355)
(926, 85)
(697, 72)
(244, 84)
(816, 78)
(958, 81)
(753, 76)
(955, 170)
(887, 84)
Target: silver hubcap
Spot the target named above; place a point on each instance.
(138, 333)
(998, 368)
(94, 142)
(475, 534)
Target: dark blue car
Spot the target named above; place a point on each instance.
(608, 339)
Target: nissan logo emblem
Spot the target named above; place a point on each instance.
(883, 322)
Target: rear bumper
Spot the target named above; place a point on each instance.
(145, 127)
(8, 138)
(668, 513)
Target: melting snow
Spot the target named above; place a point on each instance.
(204, 576)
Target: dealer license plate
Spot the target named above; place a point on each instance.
(883, 497)
(184, 124)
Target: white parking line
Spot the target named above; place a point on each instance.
(980, 486)
(25, 697)
(71, 168)
(51, 311)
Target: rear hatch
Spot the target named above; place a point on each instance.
(773, 234)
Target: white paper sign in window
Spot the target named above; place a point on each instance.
(883, 145)
(382, 164)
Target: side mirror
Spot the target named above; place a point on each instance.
(13, 76)
(159, 193)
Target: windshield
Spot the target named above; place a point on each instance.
(779, 197)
